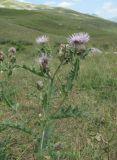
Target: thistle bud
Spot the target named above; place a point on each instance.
(43, 61)
(1, 56)
(12, 52)
(64, 52)
(81, 49)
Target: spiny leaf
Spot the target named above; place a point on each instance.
(66, 112)
(8, 124)
(32, 70)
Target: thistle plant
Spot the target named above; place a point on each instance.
(1, 56)
(8, 61)
(51, 86)
(7, 65)
(68, 55)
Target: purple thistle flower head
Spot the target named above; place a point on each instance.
(42, 39)
(79, 38)
(43, 61)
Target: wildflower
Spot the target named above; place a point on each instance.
(1, 56)
(78, 38)
(42, 39)
(43, 61)
(12, 50)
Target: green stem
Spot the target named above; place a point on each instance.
(52, 79)
(57, 70)
(42, 139)
(7, 101)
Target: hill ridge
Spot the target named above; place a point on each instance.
(15, 4)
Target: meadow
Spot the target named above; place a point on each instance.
(82, 126)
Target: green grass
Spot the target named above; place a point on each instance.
(95, 94)
(92, 136)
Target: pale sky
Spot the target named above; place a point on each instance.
(103, 8)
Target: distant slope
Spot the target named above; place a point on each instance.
(114, 19)
(58, 23)
(15, 4)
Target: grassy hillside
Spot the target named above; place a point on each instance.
(57, 23)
